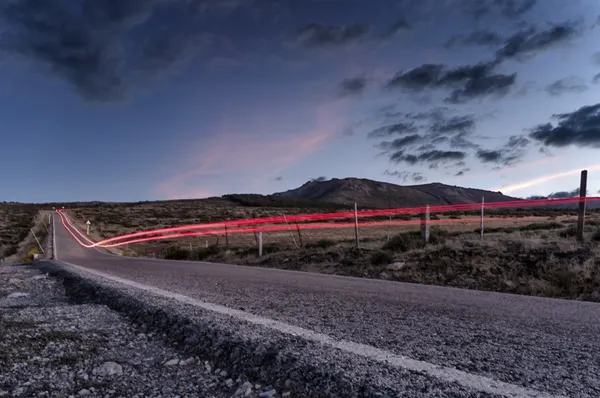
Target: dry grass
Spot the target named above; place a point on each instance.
(15, 221)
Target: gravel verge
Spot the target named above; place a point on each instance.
(252, 354)
(53, 347)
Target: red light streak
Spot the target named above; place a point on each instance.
(329, 216)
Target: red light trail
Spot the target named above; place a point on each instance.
(175, 232)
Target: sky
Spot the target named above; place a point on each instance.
(164, 99)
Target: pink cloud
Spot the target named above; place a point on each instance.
(249, 153)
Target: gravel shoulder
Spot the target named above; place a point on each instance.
(54, 347)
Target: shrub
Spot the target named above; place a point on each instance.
(403, 242)
(568, 233)
(381, 258)
(320, 244)
(176, 253)
(205, 252)
(596, 235)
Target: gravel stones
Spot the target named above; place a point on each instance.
(50, 347)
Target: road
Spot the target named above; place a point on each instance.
(544, 346)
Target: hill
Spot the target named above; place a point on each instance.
(376, 194)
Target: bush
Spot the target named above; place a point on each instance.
(404, 242)
(320, 244)
(381, 258)
(29, 256)
(568, 233)
(175, 253)
(205, 252)
(596, 236)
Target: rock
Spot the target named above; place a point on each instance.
(17, 295)
(267, 394)
(15, 282)
(244, 390)
(185, 362)
(172, 362)
(108, 369)
(223, 373)
(84, 392)
(595, 296)
(229, 382)
(38, 277)
(396, 266)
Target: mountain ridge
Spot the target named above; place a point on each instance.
(377, 194)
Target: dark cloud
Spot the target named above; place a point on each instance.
(509, 9)
(395, 29)
(401, 143)
(279, 178)
(571, 84)
(89, 44)
(318, 35)
(557, 195)
(475, 38)
(464, 83)
(596, 79)
(580, 128)
(487, 156)
(461, 172)
(530, 41)
(352, 86)
(393, 129)
(511, 152)
(405, 175)
(432, 157)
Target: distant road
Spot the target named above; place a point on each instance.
(493, 343)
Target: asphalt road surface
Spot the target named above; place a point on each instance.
(525, 344)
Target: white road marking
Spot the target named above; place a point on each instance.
(452, 375)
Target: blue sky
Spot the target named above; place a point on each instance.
(159, 99)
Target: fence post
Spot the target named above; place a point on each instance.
(260, 244)
(226, 239)
(356, 224)
(581, 213)
(36, 239)
(299, 236)
(481, 220)
(425, 225)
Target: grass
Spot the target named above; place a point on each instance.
(15, 221)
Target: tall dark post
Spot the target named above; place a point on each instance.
(356, 225)
(581, 214)
(425, 225)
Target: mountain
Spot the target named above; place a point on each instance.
(375, 194)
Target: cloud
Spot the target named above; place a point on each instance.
(557, 195)
(529, 42)
(509, 9)
(596, 79)
(318, 179)
(352, 86)
(254, 149)
(571, 84)
(475, 38)
(405, 176)
(401, 143)
(279, 178)
(580, 128)
(597, 23)
(92, 49)
(596, 58)
(394, 129)
(510, 153)
(464, 83)
(398, 27)
(318, 35)
(434, 157)
(461, 172)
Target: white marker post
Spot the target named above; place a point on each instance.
(88, 223)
